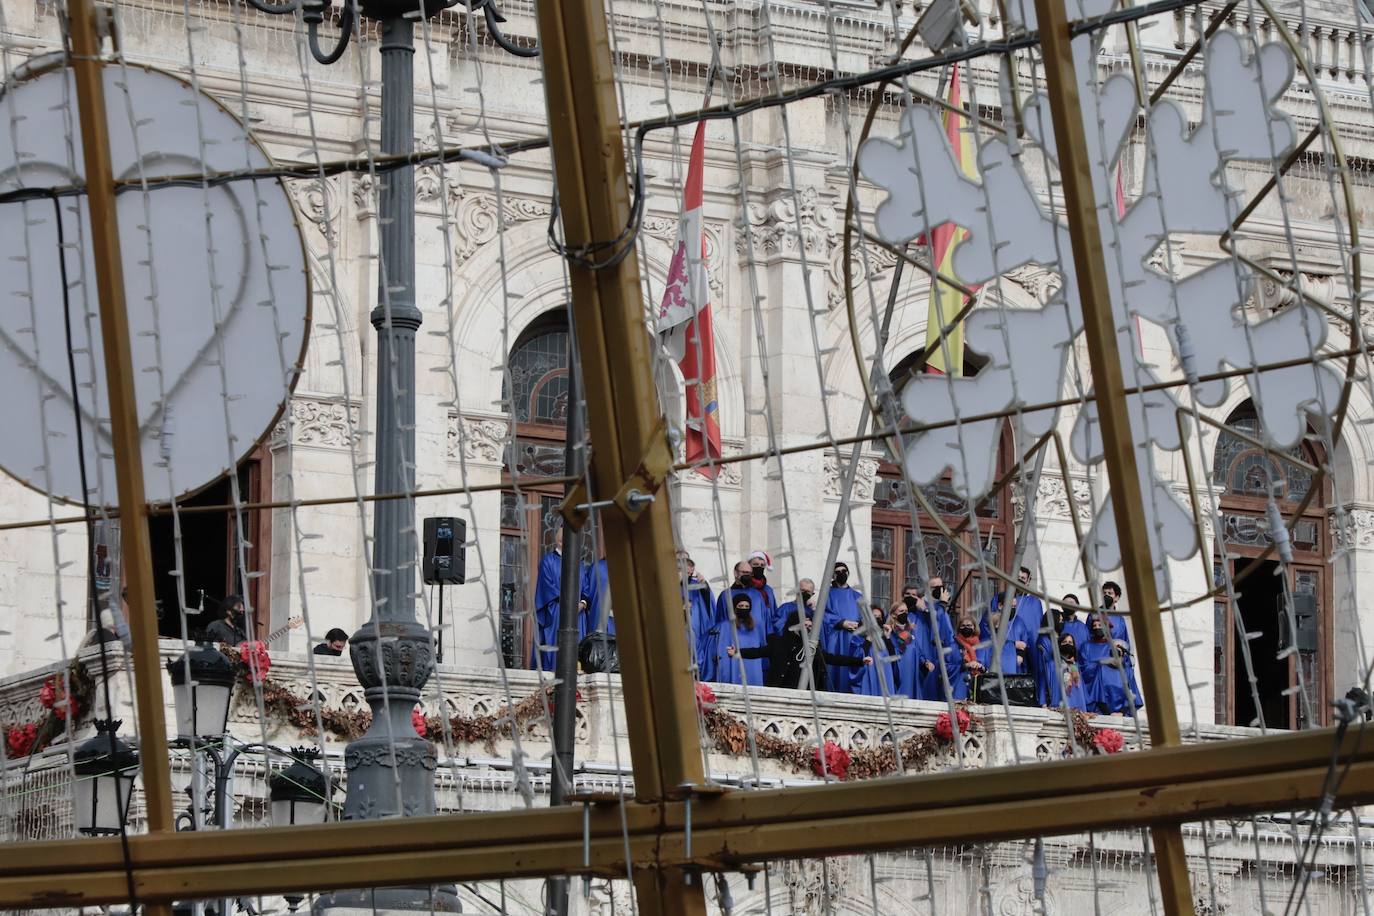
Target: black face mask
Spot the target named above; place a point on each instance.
(743, 611)
(938, 593)
(746, 580)
(1067, 651)
(901, 616)
(805, 597)
(910, 602)
(841, 576)
(758, 575)
(1098, 632)
(967, 630)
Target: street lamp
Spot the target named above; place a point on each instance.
(299, 793)
(202, 686)
(105, 767)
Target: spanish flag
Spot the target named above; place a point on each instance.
(945, 300)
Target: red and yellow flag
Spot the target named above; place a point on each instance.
(945, 300)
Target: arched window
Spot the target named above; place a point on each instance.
(535, 392)
(896, 548)
(1243, 474)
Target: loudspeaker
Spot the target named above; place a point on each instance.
(442, 561)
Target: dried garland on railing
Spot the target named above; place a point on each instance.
(281, 704)
(64, 694)
(729, 735)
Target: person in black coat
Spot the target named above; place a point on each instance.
(786, 656)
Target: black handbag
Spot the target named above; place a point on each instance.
(597, 653)
(1019, 689)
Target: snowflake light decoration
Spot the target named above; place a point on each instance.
(1027, 350)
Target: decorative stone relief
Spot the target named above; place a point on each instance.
(364, 196)
(430, 180)
(478, 217)
(664, 228)
(816, 886)
(321, 422)
(1052, 501)
(480, 439)
(1273, 297)
(876, 261)
(1358, 530)
(1018, 898)
(773, 225)
(318, 201)
(1036, 280)
(865, 478)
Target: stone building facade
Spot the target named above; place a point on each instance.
(492, 380)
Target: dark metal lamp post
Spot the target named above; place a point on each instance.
(390, 768)
(202, 687)
(299, 795)
(105, 767)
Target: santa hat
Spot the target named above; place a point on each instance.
(759, 554)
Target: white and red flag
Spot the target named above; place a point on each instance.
(684, 317)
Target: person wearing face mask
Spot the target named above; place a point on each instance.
(1103, 667)
(840, 625)
(919, 674)
(760, 565)
(547, 591)
(742, 584)
(696, 594)
(1120, 633)
(785, 653)
(1069, 684)
(806, 598)
(230, 629)
(873, 640)
(1029, 609)
(974, 657)
(1070, 622)
(743, 634)
(1048, 672)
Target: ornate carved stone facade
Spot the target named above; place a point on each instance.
(478, 217)
(481, 439)
(787, 224)
(865, 478)
(321, 422)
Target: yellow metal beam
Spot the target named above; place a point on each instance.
(1080, 202)
(88, 69)
(1162, 787)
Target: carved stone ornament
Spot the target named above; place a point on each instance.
(773, 226)
(864, 265)
(865, 478)
(318, 202)
(364, 196)
(1357, 531)
(323, 423)
(481, 439)
(816, 886)
(1036, 280)
(1019, 898)
(478, 217)
(403, 650)
(1052, 502)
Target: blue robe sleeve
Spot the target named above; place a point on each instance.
(546, 596)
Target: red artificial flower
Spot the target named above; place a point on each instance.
(20, 739)
(417, 720)
(944, 731)
(706, 697)
(836, 760)
(53, 695)
(1109, 741)
(254, 655)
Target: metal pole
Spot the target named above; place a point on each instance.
(1080, 202)
(628, 430)
(124, 434)
(390, 768)
(569, 593)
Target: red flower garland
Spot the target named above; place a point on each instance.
(836, 760)
(944, 731)
(20, 739)
(53, 695)
(417, 720)
(706, 697)
(1109, 741)
(254, 656)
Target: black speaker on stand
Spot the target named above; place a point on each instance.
(442, 562)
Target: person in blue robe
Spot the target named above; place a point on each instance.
(1104, 675)
(696, 593)
(1070, 622)
(973, 657)
(1052, 679)
(877, 676)
(1029, 609)
(1121, 635)
(766, 600)
(547, 593)
(805, 601)
(745, 632)
(742, 584)
(840, 626)
(919, 674)
(596, 593)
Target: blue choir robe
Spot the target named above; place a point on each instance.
(841, 604)
(768, 611)
(959, 685)
(1077, 629)
(1029, 609)
(596, 590)
(875, 680)
(740, 670)
(703, 617)
(724, 610)
(913, 678)
(1122, 632)
(1106, 684)
(547, 593)
(1051, 678)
